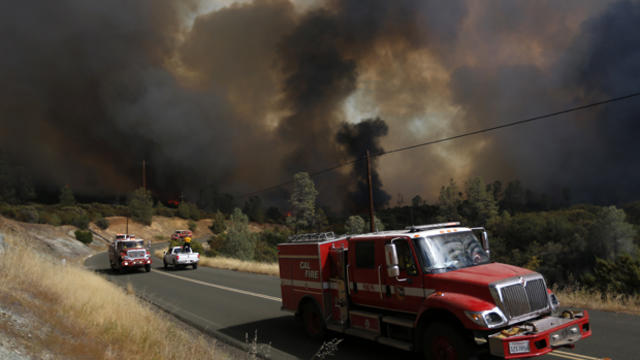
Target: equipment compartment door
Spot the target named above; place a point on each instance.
(338, 285)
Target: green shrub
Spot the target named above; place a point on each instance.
(265, 252)
(74, 215)
(192, 225)
(80, 221)
(28, 214)
(162, 210)
(267, 245)
(187, 210)
(84, 236)
(240, 243)
(50, 217)
(102, 223)
(8, 211)
(218, 226)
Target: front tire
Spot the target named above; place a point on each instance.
(147, 267)
(445, 342)
(313, 322)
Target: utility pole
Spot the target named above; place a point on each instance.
(144, 174)
(371, 215)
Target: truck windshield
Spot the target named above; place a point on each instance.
(450, 251)
(132, 244)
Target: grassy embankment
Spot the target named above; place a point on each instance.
(594, 300)
(76, 314)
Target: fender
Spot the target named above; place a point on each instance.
(308, 298)
(455, 304)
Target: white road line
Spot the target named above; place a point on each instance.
(244, 292)
(568, 355)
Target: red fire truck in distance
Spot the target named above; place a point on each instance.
(429, 288)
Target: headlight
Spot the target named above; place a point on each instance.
(553, 300)
(488, 318)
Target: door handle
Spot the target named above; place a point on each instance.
(380, 281)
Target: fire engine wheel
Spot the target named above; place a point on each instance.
(313, 321)
(444, 342)
(147, 268)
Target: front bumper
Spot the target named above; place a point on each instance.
(135, 262)
(538, 337)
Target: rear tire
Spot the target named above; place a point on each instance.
(195, 266)
(445, 342)
(166, 266)
(313, 322)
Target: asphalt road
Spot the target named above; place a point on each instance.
(235, 305)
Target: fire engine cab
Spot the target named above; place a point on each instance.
(429, 288)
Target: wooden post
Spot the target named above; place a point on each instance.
(144, 174)
(371, 214)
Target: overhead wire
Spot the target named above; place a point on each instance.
(449, 138)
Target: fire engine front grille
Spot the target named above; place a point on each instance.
(136, 253)
(521, 299)
(537, 294)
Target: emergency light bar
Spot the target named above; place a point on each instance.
(416, 228)
(312, 237)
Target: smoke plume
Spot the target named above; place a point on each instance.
(357, 140)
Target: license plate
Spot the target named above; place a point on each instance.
(519, 347)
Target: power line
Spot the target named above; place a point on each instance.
(449, 138)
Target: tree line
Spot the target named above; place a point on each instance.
(580, 245)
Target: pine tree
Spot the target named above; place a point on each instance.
(141, 206)
(66, 196)
(480, 204)
(449, 200)
(354, 225)
(303, 202)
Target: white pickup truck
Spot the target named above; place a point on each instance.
(177, 257)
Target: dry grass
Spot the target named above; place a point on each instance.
(76, 314)
(589, 299)
(255, 267)
(221, 262)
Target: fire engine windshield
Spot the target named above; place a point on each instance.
(450, 251)
(131, 244)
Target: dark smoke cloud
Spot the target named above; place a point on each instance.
(611, 67)
(87, 95)
(590, 152)
(245, 96)
(357, 139)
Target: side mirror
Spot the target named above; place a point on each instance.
(485, 242)
(391, 258)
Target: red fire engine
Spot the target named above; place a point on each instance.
(429, 288)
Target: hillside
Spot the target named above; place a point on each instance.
(54, 309)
